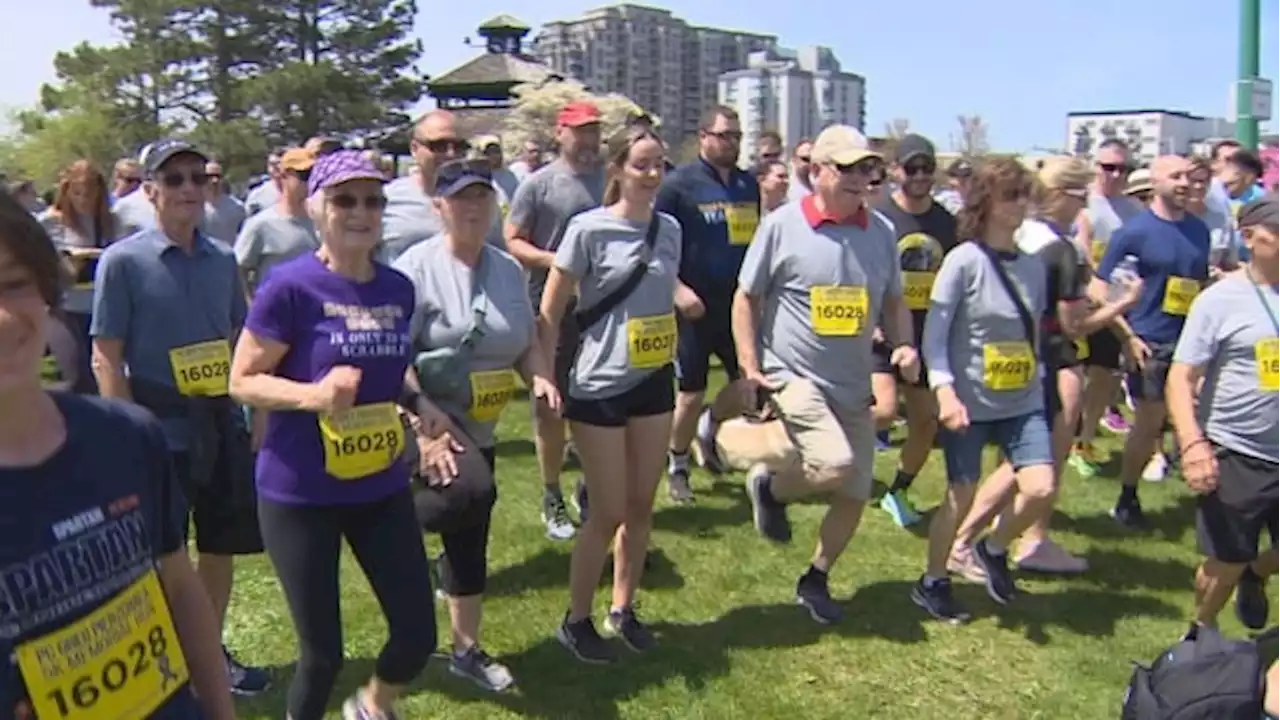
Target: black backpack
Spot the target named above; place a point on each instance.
(1208, 678)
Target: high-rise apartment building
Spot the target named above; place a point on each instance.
(795, 93)
(664, 64)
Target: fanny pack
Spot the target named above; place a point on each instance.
(442, 372)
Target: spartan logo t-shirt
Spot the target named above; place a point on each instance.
(923, 240)
(85, 628)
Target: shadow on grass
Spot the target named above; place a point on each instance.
(1083, 611)
(550, 568)
(1170, 523)
(703, 520)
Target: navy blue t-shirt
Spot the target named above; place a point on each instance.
(718, 221)
(1173, 262)
(84, 621)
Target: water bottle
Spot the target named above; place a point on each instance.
(1123, 273)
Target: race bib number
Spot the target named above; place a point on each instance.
(838, 309)
(1007, 365)
(120, 662)
(651, 341)
(1267, 354)
(916, 288)
(1097, 249)
(362, 441)
(1082, 348)
(491, 390)
(202, 369)
(1178, 294)
(743, 220)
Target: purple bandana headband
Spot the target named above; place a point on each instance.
(339, 167)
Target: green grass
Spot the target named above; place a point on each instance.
(733, 645)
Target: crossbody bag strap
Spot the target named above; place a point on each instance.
(1028, 324)
(479, 304)
(592, 315)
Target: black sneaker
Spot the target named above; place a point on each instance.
(1000, 585)
(704, 445)
(1251, 600)
(477, 666)
(936, 599)
(812, 593)
(580, 500)
(678, 485)
(1128, 513)
(246, 681)
(625, 625)
(581, 639)
(770, 516)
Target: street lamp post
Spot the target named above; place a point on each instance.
(1246, 123)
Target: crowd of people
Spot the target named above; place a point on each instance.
(329, 361)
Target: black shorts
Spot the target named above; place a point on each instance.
(881, 365)
(1230, 520)
(697, 341)
(224, 510)
(1052, 398)
(654, 395)
(1104, 350)
(1148, 383)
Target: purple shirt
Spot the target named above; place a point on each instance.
(326, 320)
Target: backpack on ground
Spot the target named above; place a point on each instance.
(1205, 678)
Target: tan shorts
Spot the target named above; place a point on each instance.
(835, 449)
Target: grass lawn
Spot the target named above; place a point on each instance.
(733, 644)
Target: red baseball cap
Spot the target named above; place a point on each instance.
(577, 114)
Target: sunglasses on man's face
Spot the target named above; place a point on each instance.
(870, 168)
(346, 201)
(440, 146)
(176, 179)
(1114, 168)
(919, 168)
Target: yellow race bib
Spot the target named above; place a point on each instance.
(202, 369)
(50, 370)
(1007, 365)
(1178, 294)
(491, 390)
(916, 288)
(120, 662)
(651, 341)
(743, 219)
(1082, 348)
(1267, 354)
(838, 309)
(1097, 249)
(362, 441)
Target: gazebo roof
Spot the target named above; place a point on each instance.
(503, 22)
(493, 68)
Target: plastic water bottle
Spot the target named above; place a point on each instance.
(1123, 273)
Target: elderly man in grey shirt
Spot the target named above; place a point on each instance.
(1229, 427)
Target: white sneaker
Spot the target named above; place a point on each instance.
(556, 518)
(1157, 468)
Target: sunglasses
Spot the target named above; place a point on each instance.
(921, 168)
(346, 201)
(175, 180)
(1114, 167)
(871, 168)
(439, 146)
(303, 175)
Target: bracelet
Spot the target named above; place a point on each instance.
(1192, 444)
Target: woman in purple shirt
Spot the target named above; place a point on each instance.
(325, 349)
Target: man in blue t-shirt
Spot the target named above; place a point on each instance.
(718, 206)
(1171, 247)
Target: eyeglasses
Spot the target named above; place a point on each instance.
(920, 168)
(439, 146)
(1114, 168)
(175, 180)
(726, 135)
(871, 168)
(346, 201)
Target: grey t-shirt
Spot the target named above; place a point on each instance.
(974, 338)
(79, 297)
(1106, 215)
(1230, 332)
(223, 218)
(261, 197)
(543, 204)
(444, 289)
(637, 337)
(819, 291)
(269, 238)
(410, 218)
(134, 212)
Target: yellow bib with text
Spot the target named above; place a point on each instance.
(1007, 365)
(202, 369)
(1097, 249)
(916, 288)
(491, 390)
(119, 662)
(362, 441)
(743, 220)
(1267, 354)
(651, 341)
(1178, 294)
(838, 309)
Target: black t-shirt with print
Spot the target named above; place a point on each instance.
(923, 240)
(84, 622)
(1067, 275)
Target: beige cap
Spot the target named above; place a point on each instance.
(841, 145)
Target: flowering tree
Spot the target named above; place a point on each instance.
(533, 116)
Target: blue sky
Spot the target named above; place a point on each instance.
(1020, 65)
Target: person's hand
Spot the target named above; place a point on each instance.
(1131, 292)
(431, 420)
(877, 336)
(546, 391)
(750, 385)
(952, 413)
(688, 303)
(336, 391)
(905, 358)
(437, 458)
(1200, 467)
(1139, 352)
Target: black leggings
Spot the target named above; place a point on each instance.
(464, 565)
(304, 544)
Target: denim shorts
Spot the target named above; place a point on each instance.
(1024, 440)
